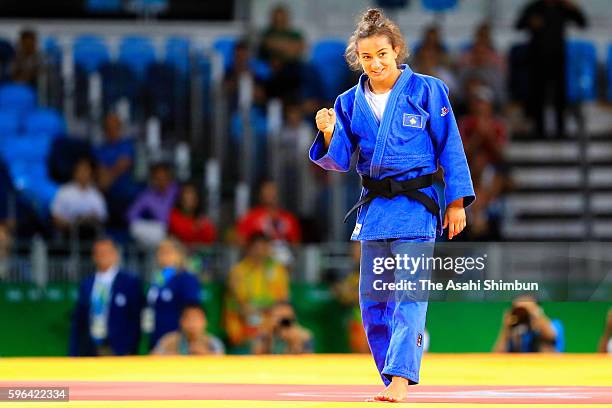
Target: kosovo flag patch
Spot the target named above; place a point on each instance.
(415, 121)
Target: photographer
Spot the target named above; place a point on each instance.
(280, 333)
(526, 329)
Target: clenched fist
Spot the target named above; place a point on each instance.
(326, 121)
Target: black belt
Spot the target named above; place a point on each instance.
(389, 188)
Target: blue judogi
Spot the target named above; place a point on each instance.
(170, 292)
(417, 132)
(123, 308)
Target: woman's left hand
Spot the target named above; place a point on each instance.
(455, 218)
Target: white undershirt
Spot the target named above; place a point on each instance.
(377, 102)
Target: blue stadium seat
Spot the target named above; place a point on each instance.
(27, 149)
(581, 74)
(609, 73)
(17, 97)
(35, 187)
(137, 53)
(439, 5)
(392, 4)
(63, 153)
(118, 81)
(7, 52)
(150, 6)
(327, 58)
(205, 68)
(166, 93)
(104, 6)
(53, 50)
(47, 121)
(90, 52)
(225, 46)
(177, 54)
(9, 123)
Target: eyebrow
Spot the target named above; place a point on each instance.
(382, 49)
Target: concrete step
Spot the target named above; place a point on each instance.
(549, 178)
(556, 203)
(557, 152)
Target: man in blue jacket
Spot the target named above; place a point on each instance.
(106, 319)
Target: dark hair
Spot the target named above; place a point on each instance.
(193, 305)
(27, 33)
(373, 22)
(84, 160)
(164, 165)
(256, 237)
(105, 239)
(179, 198)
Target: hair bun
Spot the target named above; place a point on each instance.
(372, 16)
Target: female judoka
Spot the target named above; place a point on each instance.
(403, 125)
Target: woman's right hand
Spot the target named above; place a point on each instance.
(326, 121)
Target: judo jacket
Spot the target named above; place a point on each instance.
(417, 132)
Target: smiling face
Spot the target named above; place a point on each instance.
(377, 57)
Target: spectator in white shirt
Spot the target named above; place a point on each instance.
(79, 204)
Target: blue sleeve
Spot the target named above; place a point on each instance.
(191, 289)
(343, 143)
(448, 145)
(79, 319)
(135, 312)
(128, 149)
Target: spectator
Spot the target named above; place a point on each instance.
(482, 37)
(605, 343)
(115, 158)
(280, 333)
(281, 226)
(282, 48)
(242, 63)
(297, 173)
(28, 61)
(482, 62)
(192, 338)
(484, 137)
(429, 61)
(106, 319)
(172, 288)
(149, 214)
(347, 292)
(257, 282)
(280, 39)
(269, 219)
(481, 129)
(187, 222)
(78, 204)
(432, 40)
(525, 328)
(545, 20)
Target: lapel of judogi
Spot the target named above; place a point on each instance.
(381, 130)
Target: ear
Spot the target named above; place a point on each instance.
(397, 51)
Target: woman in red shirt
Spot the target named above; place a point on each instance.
(187, 223)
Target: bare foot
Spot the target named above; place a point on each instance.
(395, 392)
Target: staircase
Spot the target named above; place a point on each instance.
(549, 201)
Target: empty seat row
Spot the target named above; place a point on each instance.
(90, 52)
(18, 113)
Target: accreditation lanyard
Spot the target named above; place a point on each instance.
(100, 301)
(160, 280)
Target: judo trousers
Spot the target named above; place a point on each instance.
(394, 319)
